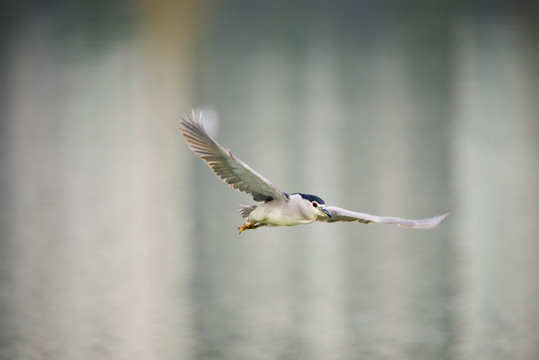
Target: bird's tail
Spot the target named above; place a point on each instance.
(246, 210)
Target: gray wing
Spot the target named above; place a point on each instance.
(237, 174)
(352, 216)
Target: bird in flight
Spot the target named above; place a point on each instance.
(276, 207)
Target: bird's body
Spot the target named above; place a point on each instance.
(277, 208)
(294, 211)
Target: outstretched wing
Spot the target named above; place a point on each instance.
(237, 174)
(340, 214)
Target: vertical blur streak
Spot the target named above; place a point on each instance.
(92, 230)
(322, 168)
(496, 179)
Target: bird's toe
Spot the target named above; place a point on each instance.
(249, 226)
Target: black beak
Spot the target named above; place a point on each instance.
(326, 211)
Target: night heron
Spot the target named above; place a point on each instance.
(277, 208)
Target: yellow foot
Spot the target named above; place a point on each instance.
(249, 226)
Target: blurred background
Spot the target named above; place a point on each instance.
(116, 242)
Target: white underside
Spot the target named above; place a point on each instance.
(295, 211)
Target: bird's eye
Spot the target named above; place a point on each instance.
(315, 204)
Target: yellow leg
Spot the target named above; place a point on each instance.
(249, 226)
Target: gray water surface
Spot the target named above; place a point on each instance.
(116, 242)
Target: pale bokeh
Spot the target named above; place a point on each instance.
(116, 242)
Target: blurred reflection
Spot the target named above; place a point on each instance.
(495, 151)
(116, 242)
(95, 258)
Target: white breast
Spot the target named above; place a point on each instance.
(295, 211)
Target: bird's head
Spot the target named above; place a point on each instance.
(316, 204)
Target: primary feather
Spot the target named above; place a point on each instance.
(237, 174)
(340, 214)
